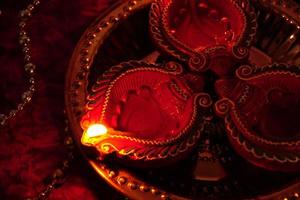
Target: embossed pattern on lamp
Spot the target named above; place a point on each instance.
(204, 33)
(151, 112)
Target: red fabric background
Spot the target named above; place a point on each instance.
(31, 146)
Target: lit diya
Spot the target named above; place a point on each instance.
(206, 33)
(144, 113)
(261, 109)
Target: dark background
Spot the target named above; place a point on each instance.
(31, 146)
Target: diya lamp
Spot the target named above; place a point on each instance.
(261, 114)
(206, 34)
(144, 113)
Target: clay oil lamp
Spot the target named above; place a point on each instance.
(141, 113)
(204, 33)
(261, 110)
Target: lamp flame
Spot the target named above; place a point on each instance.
(96, 130)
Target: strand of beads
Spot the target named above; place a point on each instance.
(29, 67)
(58, 177)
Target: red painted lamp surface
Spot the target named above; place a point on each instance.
(261, 110)
(206, 34)
(204, 25)
(145, 113)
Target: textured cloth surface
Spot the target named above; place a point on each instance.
(31, 146)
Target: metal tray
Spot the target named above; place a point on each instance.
(121, 34)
